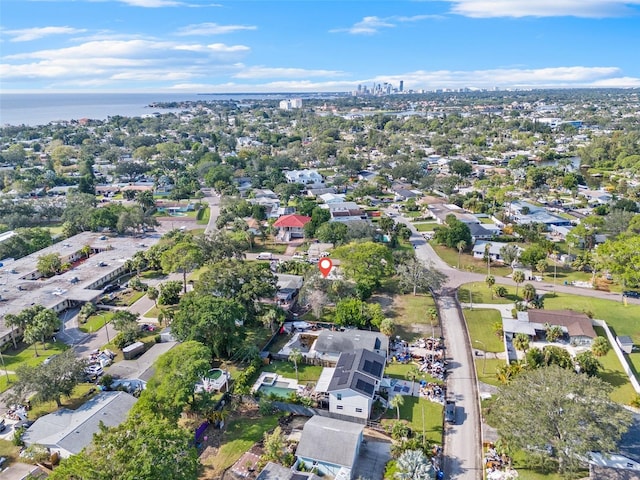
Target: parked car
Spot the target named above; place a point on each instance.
(450, 412)
(631, 294)
(297, 256)
(111, 288)
(94, 371)
(264, 256)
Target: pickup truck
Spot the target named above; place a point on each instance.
(450, 412)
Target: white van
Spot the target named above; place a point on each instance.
(264, 256)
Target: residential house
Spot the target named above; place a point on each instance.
(288, 288)
(69, 431)
(354, 382)
(577, 327)
(268, 199)
(291, 227)
(316, 192)
(345, 211)
(524, 213)
(305, 177)
(332, 197)
(331, 446)
(624, 464)
(440, 211)
(331, 344)
(494, 250)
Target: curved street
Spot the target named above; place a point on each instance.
(462, 441)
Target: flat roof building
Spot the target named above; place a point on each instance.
(22, 285)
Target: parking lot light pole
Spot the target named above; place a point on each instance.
(484, 355)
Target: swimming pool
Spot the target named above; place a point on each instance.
(280, 389)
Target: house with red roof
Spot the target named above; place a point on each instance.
(291, 226)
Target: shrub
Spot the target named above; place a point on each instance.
(501, 291)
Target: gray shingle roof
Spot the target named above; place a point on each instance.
(329, 440)
(350, 340)
(72, 430)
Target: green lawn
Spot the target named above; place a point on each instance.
(412, 412)
(128, 298)
(480, 324)
(409, 314)
(96, 321)
(306, 373)
(613, 374)
(486, 370)
(79, 396)
(25, 354)
(425, 226)
(153, 312)
(480, 293)
(268, 246)
(238, 438)
(10, 451)
(203, 216)
(467, 262)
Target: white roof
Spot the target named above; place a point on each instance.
(323, 382)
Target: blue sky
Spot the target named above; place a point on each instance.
(237, 46)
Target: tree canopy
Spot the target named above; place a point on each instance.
(554, 407)
(210, 320)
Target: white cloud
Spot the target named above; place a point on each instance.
(371, 25)
(544, 8)
(277, 72)
(30, 34)
(212, 29)
(223, 48)
(152, 3)
(618, 82)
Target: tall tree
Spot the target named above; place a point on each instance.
(509, 254)
(182, 257)
(518, 278)
(366, 264)
(295, 357)
(52, 380)
(245, 282)
(418, 277)
(552, 406)
(210, 320)
(396, 402)
(142, 448)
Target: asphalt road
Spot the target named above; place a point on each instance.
(462, 441)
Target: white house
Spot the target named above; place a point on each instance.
(305, 177)
(330, 445)
(354, 383)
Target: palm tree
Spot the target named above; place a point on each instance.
(521, 342)
(487, 256)
(269, 318)
(600, 346)
(490, 281)
(461, 246)
(529, 292)
(396, 402)
(518, 278)
(295, 357)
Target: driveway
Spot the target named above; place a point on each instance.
(372, 459)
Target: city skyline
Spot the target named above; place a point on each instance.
(194, 46)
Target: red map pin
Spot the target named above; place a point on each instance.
(325, 265)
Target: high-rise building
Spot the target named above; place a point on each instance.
(401, 85)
